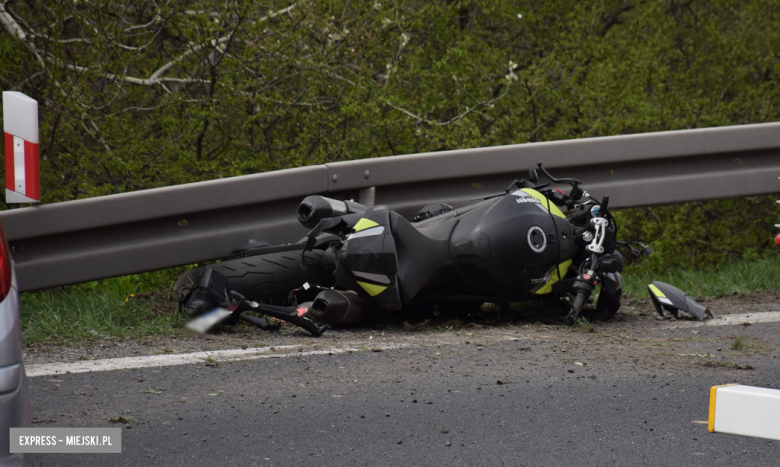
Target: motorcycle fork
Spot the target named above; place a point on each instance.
(584, 285)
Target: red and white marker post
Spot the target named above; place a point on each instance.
(22, 172)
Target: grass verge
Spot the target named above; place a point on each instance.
(128, 307)
(732, 278)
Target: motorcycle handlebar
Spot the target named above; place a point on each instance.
(579, 301)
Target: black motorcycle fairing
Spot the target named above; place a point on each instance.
(670, 298)
(210, 292)
(461, 249)
(420, 257)
(432, 210)
(503, 247)
(506, 249)
(367, 261)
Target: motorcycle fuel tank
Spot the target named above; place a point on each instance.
(518, 245)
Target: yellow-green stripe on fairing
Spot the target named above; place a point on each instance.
(545, 202)
(372, 289)
(364, 224)
(713, 393)
(657, 291)
(554, 277)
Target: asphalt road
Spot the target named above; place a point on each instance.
(636, 395)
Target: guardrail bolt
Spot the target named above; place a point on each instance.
(366, 174)
(335, 178)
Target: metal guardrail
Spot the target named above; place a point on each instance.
(95, 238)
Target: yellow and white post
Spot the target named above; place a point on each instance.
(745, 410)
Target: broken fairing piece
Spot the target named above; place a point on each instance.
(674, 300)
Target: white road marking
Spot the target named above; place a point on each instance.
(735, 320)
(150, 361)
(282, 351)
(279, 351)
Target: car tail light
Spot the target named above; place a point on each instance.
(6, 268)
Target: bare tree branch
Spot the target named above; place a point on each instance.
(486, 103)
(157, 77)
(132, 80)
(143, 26)
(13, 28)
(274, 14)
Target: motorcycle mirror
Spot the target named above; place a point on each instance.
(532, 177)
(570, 181)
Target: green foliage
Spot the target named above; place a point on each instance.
(143, 94)
(731, 278)
(704, 234)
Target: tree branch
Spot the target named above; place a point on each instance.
(13, 28)
(143, 26)
(486, 103)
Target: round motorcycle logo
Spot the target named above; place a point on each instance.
(537, 240)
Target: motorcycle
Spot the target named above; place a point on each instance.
(360, 263)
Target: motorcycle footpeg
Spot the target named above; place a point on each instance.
(290, 314)
(262, 323)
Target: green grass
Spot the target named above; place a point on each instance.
(739, 343)
(113, 309)
(732, 278)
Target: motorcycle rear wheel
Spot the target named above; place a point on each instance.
(267, 278)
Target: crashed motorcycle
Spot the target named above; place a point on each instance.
(360, 263)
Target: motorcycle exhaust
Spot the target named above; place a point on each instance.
(336, 307)
(315, 208)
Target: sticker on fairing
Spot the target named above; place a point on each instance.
(541, 201)
(659, 295)
(540, 281)
(367, 233)
(525, 198)
(664, 300)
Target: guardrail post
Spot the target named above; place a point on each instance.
(22, 172)
(367, 196)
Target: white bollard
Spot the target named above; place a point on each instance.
(745, 410)
(22, 172)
